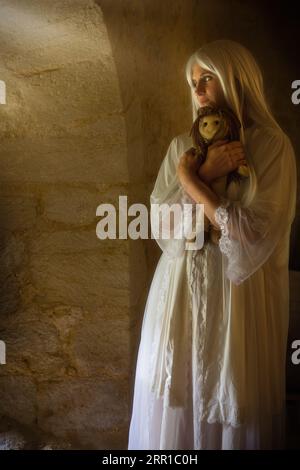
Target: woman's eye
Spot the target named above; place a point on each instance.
(205, 79)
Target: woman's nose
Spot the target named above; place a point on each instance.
(200, 89)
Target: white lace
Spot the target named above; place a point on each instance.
(221, 217)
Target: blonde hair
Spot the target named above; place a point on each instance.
(242, 84)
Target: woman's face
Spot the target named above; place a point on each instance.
(207, 87)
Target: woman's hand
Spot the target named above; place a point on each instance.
(222, 158)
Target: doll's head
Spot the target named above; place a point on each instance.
(213, 124)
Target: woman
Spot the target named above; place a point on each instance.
(211, 363)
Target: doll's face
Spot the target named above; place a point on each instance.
(207, 87)
(212, 126)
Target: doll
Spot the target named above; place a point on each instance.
(211, 125)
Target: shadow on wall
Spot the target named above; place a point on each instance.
(64, 300)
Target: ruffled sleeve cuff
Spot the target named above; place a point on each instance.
(221, 217)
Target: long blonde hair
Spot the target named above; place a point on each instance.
(242, 83)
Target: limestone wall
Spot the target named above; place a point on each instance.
(65, 295)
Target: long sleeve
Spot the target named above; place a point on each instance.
(172, 232)
(249, 234)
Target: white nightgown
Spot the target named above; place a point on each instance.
(210, 370)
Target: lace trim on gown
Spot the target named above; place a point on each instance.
(222, 217)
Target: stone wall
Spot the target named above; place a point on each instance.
(65, 295)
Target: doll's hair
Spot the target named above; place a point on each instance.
(241, 80)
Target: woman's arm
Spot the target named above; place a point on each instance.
(250, 233)
(222, 157)
(201, 193)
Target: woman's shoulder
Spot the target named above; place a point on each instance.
(184, 137)
(183, 141)
(263, 137)
(269, 145)
(267, 133)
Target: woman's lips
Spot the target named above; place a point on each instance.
(203, 102)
